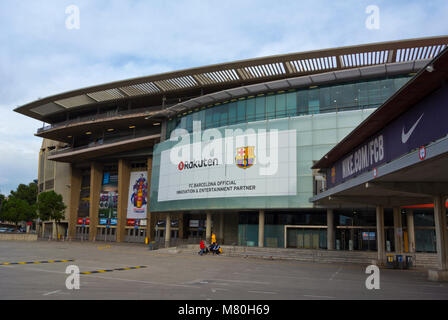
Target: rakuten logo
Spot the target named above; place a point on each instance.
(185, 165)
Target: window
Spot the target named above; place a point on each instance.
(250, 110)
(270, 107)
(260, 108)
(241, 106)
(280, 105)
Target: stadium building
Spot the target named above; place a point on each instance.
(109, 150)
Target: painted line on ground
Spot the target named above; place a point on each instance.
(319, 297)
(51, 292)
(34, 262)
(111, 270)
(262, 292)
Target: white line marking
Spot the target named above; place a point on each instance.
(311, 296)
(334, 274)
(263, 292)
(242, 281)
(51, 292)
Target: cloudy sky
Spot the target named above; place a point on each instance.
(39, 56)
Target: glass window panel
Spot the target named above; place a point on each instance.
(270, 107)
(224, 115)
(374, 93)
(208, 118)
(387, 88)
(313, 101)
(349, 96)
(363, 94)
(280, 105)
(250, 110)
(232, 113)
(260, 108)
(324, 95)
(291, 103)
(241, 110)
(216, 116)
(336, 96)
(302, 102)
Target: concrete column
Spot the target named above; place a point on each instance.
(330, 229)
(96, 177)
(411, 231)
(380, 239)
(261, 228)
(208, 227)
(441, 232)
(124, 173)
(398, 231)
(167, 230)
(221, 228)
(75, 190)
(150, 232)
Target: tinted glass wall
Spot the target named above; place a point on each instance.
(322, 99)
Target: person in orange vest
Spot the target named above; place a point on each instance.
(213, 238)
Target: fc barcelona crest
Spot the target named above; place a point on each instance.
(245, 157)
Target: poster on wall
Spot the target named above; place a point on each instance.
(237, 169)
(138, 195)
(109, 197)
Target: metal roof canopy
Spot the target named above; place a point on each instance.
(411, 178)
(411, 93)
(239, 73)
(388, 69)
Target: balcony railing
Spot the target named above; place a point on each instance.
(95, 117)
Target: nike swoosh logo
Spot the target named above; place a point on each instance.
(405, 136)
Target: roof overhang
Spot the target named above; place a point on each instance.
(238, 73)
(388, 69)
(93, 152)
(402, 182)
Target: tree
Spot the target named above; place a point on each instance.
(26, 192)
(17, 210)
(51, 207)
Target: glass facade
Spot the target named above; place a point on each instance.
(281, 104)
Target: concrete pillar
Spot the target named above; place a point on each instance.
(75, 190)
(380, 239)
(398, 231)
(150, 232)
(221, 228)
(261, 228)
(208, 227)
(167, 230)
(411, 231)
(124, 173)
(96, 177)
(441, 232)
(330, 229)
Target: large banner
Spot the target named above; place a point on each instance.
(247, 168)
(138, 195)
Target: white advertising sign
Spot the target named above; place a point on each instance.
(138, 195)
(247, 167)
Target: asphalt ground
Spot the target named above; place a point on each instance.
(124, 271)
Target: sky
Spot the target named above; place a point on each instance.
(119, 39)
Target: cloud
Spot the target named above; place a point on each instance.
(119, 40)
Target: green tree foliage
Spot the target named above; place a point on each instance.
(26, 192)
(16, 210)
(51, 207)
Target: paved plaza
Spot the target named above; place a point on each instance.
(133, 272)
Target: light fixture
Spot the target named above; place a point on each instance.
(110, 130)
(131, 127)
(430, 68)
(156, 124)
(69, 137)
(88, 132)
